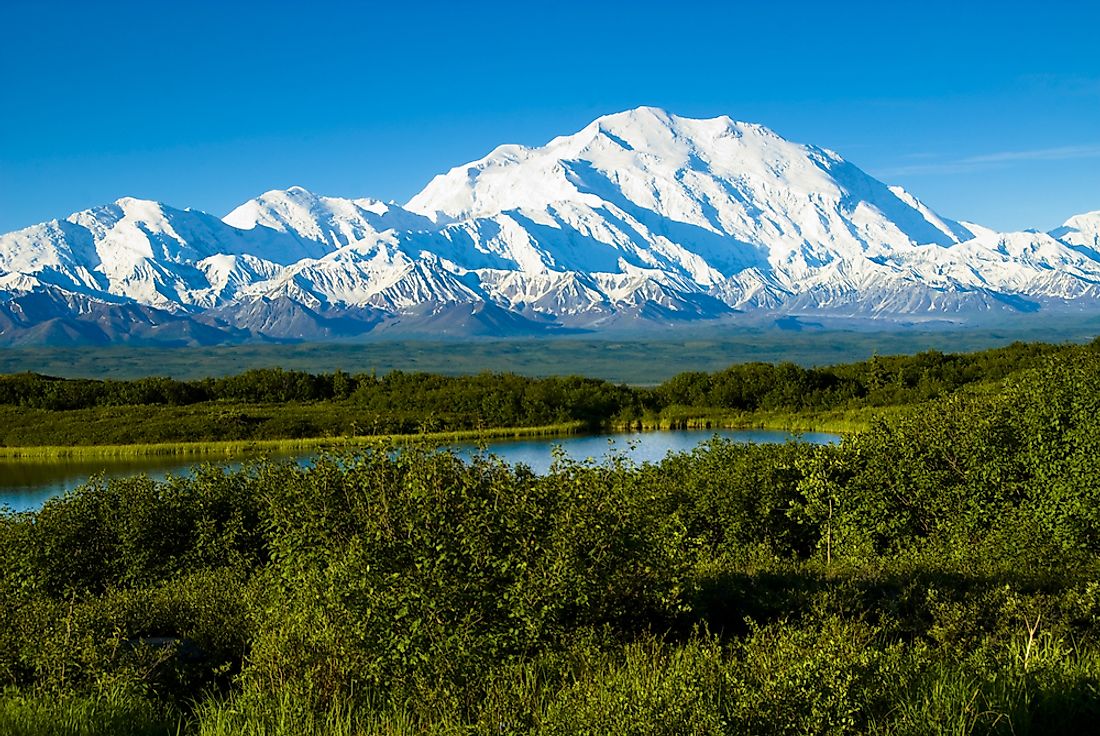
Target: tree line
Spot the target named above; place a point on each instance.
(503, 399)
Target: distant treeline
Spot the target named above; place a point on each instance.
(880, 381)
(517, 400)
(275, 404)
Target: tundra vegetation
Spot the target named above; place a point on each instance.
(272, 405)
(937, 572)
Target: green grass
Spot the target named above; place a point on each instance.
(285, 715)
(832, 677)
(51, 714)
(235, 448)
(836, 421)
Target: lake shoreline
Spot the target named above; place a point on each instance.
(838, 421)
(233, 448)
(835, 422)
(28, 482)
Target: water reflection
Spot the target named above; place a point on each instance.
(27, 484)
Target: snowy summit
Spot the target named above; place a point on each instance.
(641, 217)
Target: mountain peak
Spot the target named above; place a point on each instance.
(640, 215)
(328, 222)
(648, 119)
(1081, 230)
(139, 207)
(1085, 220)
(294, 193)
(129, 209)
(642, 115)
(715, 174)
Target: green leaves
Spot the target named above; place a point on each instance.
(392, 562)
(939, 568)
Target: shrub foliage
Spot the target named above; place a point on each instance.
(936, 573)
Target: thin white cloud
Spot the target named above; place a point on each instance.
(988, 160)
(1076, 85)
(1038, 154)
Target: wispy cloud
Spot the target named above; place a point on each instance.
(989, 160)
(1063, 84)
(1037, 154)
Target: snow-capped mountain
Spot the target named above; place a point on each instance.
(313, 219)
(1081, 231)
(640, 217)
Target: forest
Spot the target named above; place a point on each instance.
(935, 573)
(272, 404)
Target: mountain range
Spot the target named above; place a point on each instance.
(641, 218)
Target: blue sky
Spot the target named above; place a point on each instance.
(988, 111)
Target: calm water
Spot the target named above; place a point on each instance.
(27, 484)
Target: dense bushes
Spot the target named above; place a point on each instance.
(1016, 470)
(422, 569)
(937, 573)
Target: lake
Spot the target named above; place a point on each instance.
(26, 484)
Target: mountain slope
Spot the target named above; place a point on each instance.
(641, 217)
(733, 210)
(146, 252)
(313, 220)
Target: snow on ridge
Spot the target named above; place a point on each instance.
(1081, 231)
(638, 209)
(328, 222)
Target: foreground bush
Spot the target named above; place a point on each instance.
(939, 573)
